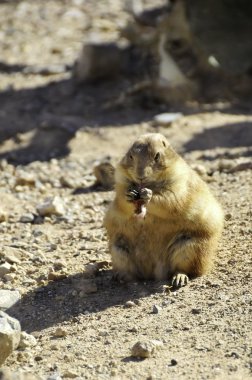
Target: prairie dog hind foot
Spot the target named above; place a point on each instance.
(179, 279)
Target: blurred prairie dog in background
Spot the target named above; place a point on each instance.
(164, 222)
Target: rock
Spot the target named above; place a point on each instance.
(59, 332)
(91, 269)
(38, 358)
(225, 165)
(26, 340)
(27, 218)
(11, 255)
(228, 216)
(25, 179)
(129, 304)
(156, 309)
(52, 206)
(200, 169)
(56, 276)
(3, 216)
(44, 70)
(8, 298)
(146, 349)
(240, 166)
(54, 347)
(59, 264)
(70, 374)
(165, 119)
(10, 331)
(196, 311)
(85, 286)
(173, 362)
(20, 375)
(4, 269)
(9, 277)
(67, 182)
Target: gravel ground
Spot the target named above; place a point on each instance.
(52, 132)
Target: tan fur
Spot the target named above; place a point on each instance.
(183, 224)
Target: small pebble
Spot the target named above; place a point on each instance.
(146, 349)
(4, 269)
(27, 218)
(52, 206)
(3, 216)
(156, 309)
(196, 311)
(173, 362)
(129, 304)
(59, 333)
(26, 340)
(56, 276)
(70, 374)
(228, 216)
(38, 358)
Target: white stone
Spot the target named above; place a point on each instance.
(156, 309)
(52, 206)
(10, 331)
(26, 340)
(4, 269)
(8, 298)
(11, 255)
(27, 218)
(146, 349)
(167, 118)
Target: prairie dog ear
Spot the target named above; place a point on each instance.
(169, 151)
(126, 159)
(165, 143)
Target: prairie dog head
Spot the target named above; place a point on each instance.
(147, 159)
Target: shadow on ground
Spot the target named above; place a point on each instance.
(224, 136)
(51, 115)
(38, 123)
(56, 302)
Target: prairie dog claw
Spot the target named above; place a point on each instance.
(179, 280)
(132, 195)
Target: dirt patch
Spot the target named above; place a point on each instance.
(55, 131)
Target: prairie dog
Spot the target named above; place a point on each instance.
(164, 222)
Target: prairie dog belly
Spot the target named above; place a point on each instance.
(149, 246)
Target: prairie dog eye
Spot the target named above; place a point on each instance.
(157, 157)
(131, 157)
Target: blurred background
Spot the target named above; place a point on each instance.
(83, 65)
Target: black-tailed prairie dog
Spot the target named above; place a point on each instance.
(164, 222)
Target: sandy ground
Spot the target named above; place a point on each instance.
(54, 131)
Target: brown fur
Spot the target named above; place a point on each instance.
(178, 236)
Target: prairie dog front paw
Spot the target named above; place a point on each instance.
(145, 194)
(132, 195)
